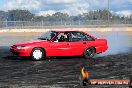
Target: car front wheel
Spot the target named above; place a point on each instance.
(89, 52)
(37, 54)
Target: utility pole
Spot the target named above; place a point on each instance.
(108, 13)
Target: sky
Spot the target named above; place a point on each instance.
(72, 7)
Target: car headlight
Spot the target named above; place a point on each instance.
(22, 47)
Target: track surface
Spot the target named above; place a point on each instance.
(62, 72)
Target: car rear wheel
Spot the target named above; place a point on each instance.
(37, 54)
(89, 52)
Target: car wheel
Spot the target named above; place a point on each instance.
(89, 52)
(37, 54)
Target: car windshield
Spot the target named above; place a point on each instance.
(48, 35)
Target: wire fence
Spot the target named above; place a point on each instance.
(62, 24)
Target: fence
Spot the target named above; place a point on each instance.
(62, 24)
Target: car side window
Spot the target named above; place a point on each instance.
(62, 37)
(87, 37)
(76, 36)
(79, 36)
(58, 37)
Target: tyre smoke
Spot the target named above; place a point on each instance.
(117, 43)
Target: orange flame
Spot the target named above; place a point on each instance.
(84, 73)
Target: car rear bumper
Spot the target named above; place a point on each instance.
(101, 49)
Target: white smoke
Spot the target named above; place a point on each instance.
(117, 43)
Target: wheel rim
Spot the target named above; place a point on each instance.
(37, 54)
(89, 52)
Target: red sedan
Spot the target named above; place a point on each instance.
(61, 43)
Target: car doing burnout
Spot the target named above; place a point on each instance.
(53, 43)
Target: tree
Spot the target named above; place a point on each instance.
(38, 18)
(20, 15)
(2, 16)
(58, 16)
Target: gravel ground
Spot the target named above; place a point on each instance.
(63, 72)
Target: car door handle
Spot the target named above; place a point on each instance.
(84, 42)
(67, 43)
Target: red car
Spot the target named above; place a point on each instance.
(61, 43)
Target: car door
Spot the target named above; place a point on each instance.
(58, 48)
(79, 41)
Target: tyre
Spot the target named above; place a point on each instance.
(37, 54)
(89, 52)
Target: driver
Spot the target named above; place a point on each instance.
(66, 37)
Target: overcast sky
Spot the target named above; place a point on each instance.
(72, 7)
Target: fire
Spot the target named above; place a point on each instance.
(84, 73)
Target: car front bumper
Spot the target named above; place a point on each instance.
(20, 52)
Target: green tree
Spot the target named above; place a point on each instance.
(38, 18)
(58, 16)
(20, 15)
(2, 16)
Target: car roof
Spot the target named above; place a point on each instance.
(73, 31)
(67, 31)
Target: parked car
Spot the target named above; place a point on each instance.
(61, 43)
